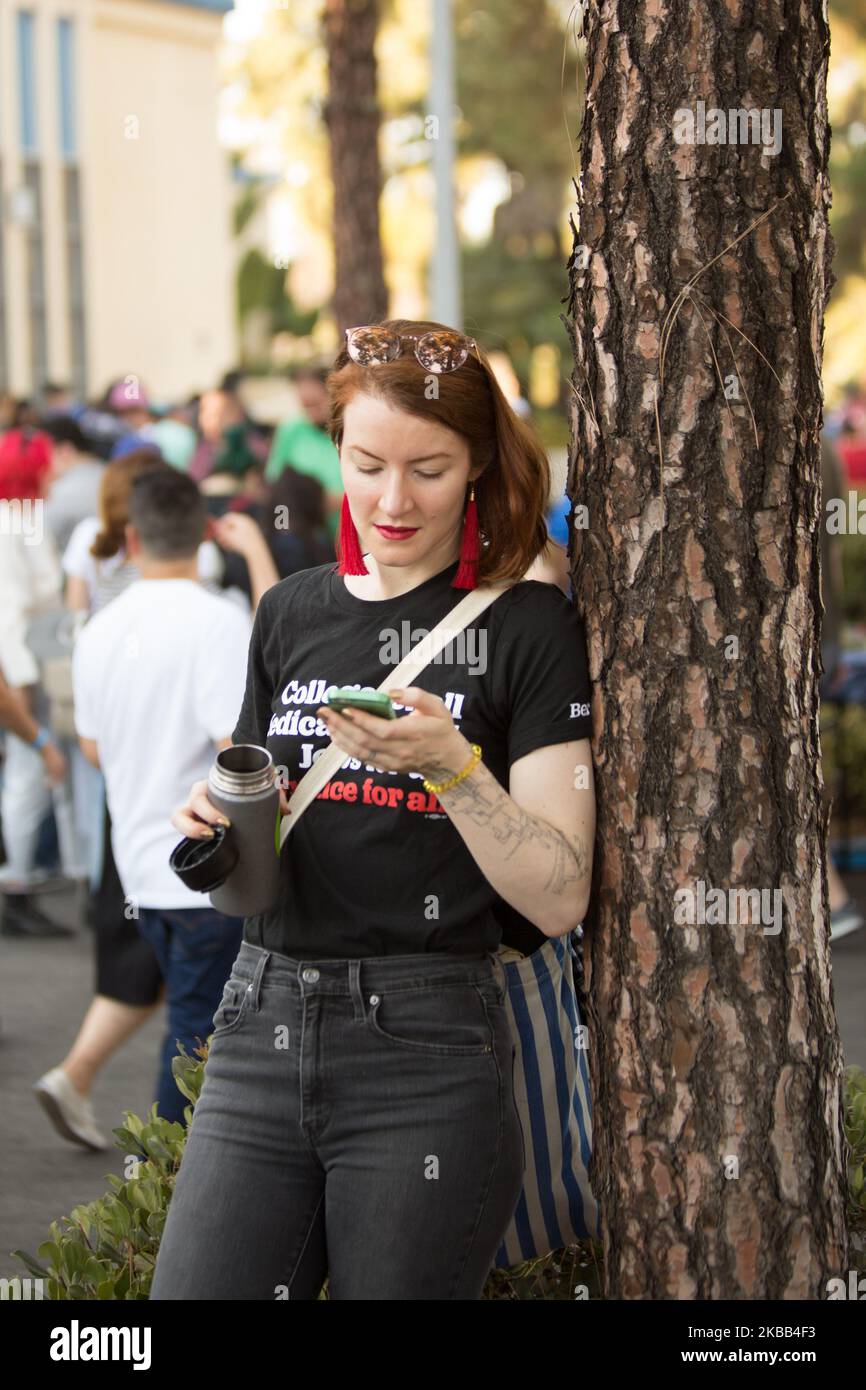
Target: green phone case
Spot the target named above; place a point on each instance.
(367, 699)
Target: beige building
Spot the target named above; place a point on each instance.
(115, 235)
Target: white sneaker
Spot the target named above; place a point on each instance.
(38, 881)
(70, 1113)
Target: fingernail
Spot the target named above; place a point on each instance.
(222, 821)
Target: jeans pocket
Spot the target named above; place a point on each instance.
(444, 1020)
(233, 1006)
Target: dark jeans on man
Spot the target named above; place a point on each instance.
(357, 1120)
(196, 948)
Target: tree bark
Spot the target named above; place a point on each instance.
(352, 117)
(719, 1150)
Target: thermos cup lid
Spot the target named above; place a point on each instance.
(205, 864)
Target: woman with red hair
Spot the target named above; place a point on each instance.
(358, 1119)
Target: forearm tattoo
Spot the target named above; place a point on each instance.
(480, 797)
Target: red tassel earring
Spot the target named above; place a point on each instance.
(467, 571)
(348, 545)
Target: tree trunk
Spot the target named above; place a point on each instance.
(719, 1151)
(352, 118)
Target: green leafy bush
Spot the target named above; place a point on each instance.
(108, 1248)
(855, 1131)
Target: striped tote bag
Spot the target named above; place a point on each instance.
(552, 1094)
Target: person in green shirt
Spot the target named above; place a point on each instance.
(303, 443)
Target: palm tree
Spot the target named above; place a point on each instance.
(352, 118)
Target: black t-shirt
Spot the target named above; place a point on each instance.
(375, 866)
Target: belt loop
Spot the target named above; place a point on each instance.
(359, 1012)
(256, 986)
(498, 971)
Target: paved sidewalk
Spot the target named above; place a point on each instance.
(46, 987)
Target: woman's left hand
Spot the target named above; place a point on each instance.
(425, 741)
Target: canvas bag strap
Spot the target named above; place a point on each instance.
(452, 624)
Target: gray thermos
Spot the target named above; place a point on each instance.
(242, 784)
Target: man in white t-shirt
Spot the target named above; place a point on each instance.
(158, 681)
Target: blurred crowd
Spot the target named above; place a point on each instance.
(845, 426)
(272, 500)
(230, 508)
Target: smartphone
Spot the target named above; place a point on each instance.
(367, 699)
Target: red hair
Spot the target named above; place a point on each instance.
(512, 492)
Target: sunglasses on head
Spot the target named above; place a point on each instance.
(441, 351)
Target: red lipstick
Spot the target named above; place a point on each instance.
(397, 533)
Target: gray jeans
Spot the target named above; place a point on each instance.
(356, 1121)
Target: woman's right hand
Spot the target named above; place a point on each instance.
(196, 818)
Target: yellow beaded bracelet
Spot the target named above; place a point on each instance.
(438, 787)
